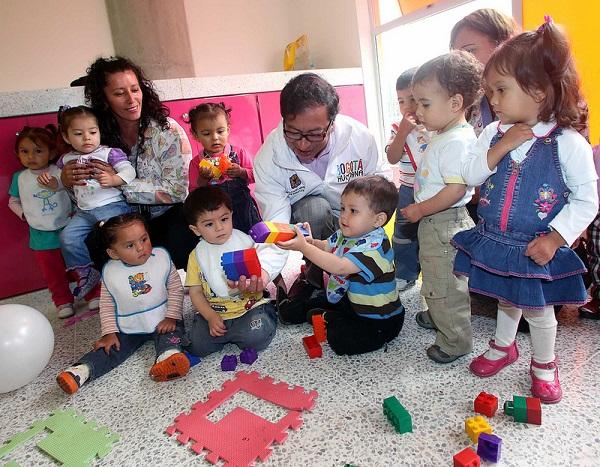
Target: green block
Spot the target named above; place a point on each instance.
(397, 415)
(520, 409)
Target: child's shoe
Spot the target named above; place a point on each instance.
(435, 353)
(87, 279)
(174, 366)
(93, 298)
(549, 392)
(73, 378)
(484, 367)
(65, 310)
(424, 320)
(591, 310)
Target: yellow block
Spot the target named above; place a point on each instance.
(474, 426)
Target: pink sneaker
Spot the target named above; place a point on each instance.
(549, 392)
(485, 367)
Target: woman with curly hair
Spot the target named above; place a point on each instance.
(132, 118)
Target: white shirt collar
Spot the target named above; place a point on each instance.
(540, 129)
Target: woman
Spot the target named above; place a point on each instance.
(132, 117)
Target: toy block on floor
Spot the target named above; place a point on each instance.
(272, 232)
(319, 328)
(240, 263)
(229, 363)
(474, 426)
(486, 404)
(488, 447)
(466, 458)
(397, 415)
(312, 347)
(248, 356)
(524, 409)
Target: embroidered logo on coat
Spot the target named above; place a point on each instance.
(138, 284)
(545, 201)
(295, 181)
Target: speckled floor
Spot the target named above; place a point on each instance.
(347, 424)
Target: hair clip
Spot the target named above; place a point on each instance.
(547, 20)
(101, 223)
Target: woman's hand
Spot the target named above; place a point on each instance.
(74, 174)
(166, 325)
(252, 284)
(108, 341)
(216, 326)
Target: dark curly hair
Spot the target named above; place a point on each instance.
(152, 107)
(458, 72)
(306, 91)
(109, 229)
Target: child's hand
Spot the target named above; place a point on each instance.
(298, 243)
(407, 124)
(205, 174)
(107, 180)
(542, 249)
(412, 212)
(235, 171)
(216, 326)
(166, 325)
(515, 136)
(47, 180)
(108, 341)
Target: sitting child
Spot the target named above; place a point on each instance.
(225, 313)
(140, 300)
(361, 307)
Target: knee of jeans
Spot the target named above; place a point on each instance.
(314, 207)
(260, 338)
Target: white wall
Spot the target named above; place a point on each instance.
(49, 43)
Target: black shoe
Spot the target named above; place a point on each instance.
(591, 310)
(312, 312)
(439, 356)
(291, 309)
(424, 320)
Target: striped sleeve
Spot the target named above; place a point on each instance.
(108, 318)
(174, 295)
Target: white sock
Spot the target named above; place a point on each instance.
(166, 354)
(507, 323)
(542, 327)
(80, 371)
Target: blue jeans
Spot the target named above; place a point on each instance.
(100, 363)
(255, 329)
(315, 210)
(405, 241)
(72, 237)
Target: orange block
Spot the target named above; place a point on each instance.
(319, 328)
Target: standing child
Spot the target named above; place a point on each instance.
(539, 195)
(408, 142)
(141, 299)
(97, 199)
(361, 307)
(46, 210)
(210, 125)
(225, 314)
(444, 89)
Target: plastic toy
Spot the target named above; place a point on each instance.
(272, 232)
(312, 347)
(397, 415)
(248, 356)
(524, 409)
(319, 328)
(474, 426)
(218, 165)
(488, 447)
(81, 317)
(73, 440)
(194, 360)
(485, 403)
(466, 458)
(240, 263)
(229, 363)
(242, 437)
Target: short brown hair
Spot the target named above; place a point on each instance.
(381, 194)
(205, 199)
(494, 24)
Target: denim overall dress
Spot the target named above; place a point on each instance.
(516, 205)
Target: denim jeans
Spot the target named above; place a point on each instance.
(72, 237)
(315, 210)
(405, 240)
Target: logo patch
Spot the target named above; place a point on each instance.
(295, 181)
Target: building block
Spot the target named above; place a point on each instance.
(272, 232)
(218, 165)
(488, 447)
(240, 263)
(312, 347)
(319, 328)
(397, 415)
(534, 410)
(466, 458)
(524, 409)
(241, 437)
(474, 426)
(248, 356)
(229, 363)
(486, 404)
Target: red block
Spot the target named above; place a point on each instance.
(319, 328)
(534, 410)
(312, 346)
(486, 404)
(466, 458)
(252, 263)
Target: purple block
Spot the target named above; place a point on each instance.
(259, 232)
(488, 447)
(248, 356)
(229, 363)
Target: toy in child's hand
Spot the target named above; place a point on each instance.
(241, 263)
(273, 232)
(218, 165)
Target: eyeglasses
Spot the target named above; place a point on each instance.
(310, 137)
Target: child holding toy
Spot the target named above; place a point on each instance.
(210, 124)
(360, 306)
(444, 88)
(539, 195)
(46, 210)
(141, 299)
(225, 314)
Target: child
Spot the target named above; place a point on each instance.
(444, 89)
(141, 299)
(210, 125)
(361, 307)
(539, 195)
(409, 140)
(97, 199)
(224, 313)
(46, 210)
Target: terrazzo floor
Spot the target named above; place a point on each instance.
(347, 424)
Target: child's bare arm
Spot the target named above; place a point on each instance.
(512, 139)
(396, 148)
(215, 322)
(445, 198)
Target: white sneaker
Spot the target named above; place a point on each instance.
(94, 304)
(66, 311)
(402, 284)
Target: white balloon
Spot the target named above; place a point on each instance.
(26, 345)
